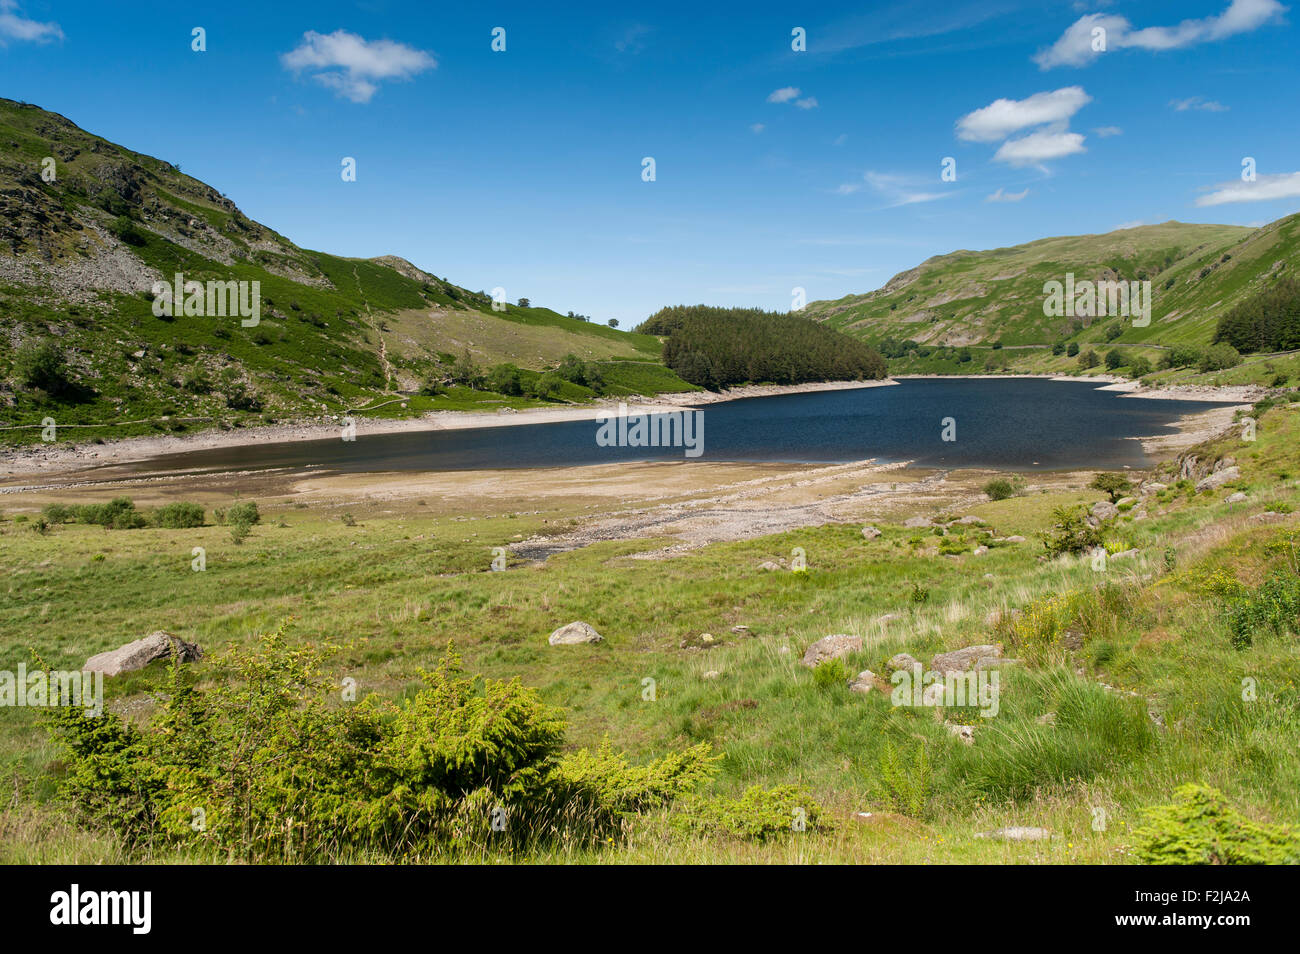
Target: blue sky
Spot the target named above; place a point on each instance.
(774, 168)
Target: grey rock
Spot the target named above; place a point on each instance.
(960, 660)
(964, 732)
(864, 682)
(769, 566)
(870, 533)
(912, 522)
(1102, 511)
(1238, 497)
(136, 655)
(573, 634)
(831, 647)
(903, 661)
(1218, 478)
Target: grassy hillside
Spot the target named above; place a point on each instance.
(1130, 682)
(979, 299)
(80, 251)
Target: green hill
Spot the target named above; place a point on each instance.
(976, 300)
(86, 229)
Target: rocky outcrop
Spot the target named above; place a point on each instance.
(136, 655)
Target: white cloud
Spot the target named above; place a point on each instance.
(1105, 132)
(1282, 185)
(1039, 147)
(1002, 117)
(354, 66)
(900, 190)
(1197, 102)
(1076, 46)
(808, 103)
(840, 140)
(784, 94)
(849, 188)
(1001, 196)
(14, 26)
(756, 128)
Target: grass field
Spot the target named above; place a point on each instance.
(393, 583)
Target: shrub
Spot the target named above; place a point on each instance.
(58, 513)
(245, 513)
(1114, 359)
(179, 515)
(118, 514)
(1139, 367)
(1071, 532)
(1219, 357)
(831, 674)
(463, 765)
(757, 815)
(1201, 828)
(41, 364)
(1273, 607)
(999, 488)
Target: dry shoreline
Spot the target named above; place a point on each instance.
(66, 456)
(70, 456)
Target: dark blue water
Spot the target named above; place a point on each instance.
(1000, 423)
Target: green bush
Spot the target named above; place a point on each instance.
(1071, 532)
(41, 364)
(118, 514)
(999, 488)
(1272, 607)
(1201, 828)
(179, 515)
(258, 766)
(757, 815)
(59, 513)
(245, 513)
(831, 674)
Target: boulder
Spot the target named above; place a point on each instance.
(712, 674)
(964, 732)
(903, 661)
(575, 633)
(1151, 487)
(769, 566)
(136, 655)
(968, 521)
(870, 533)
(1124, 503)
(1238, 497)
(1125, 554)
(980, 550)
(913, 522)
(1014, 538)
(1102, 511)
(863, 682)
(1218, 478)
(960, 660)
(831, 647)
